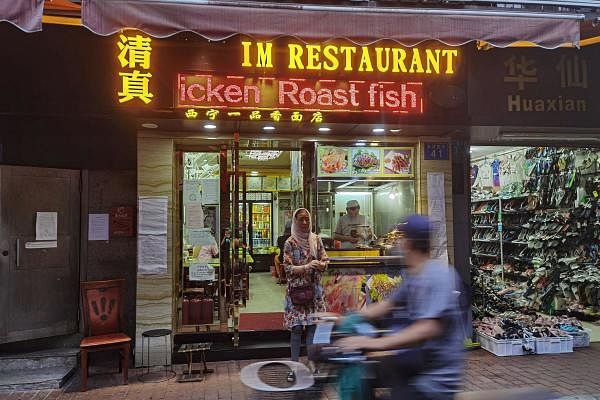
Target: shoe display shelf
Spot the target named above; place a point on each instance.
(506, 347)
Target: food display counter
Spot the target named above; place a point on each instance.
(350, 280)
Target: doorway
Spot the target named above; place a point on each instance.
(39, 252)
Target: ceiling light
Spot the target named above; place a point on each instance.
(360, 144)
(395, 130)
(378, 130)
(210, 126)
(150, 125)
(253, 172)
(361, 140)
(374, 144)
(211, 138)
(324, 129)
(269, 128)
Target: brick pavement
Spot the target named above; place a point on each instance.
(566, 374)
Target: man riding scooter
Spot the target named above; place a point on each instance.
(427, 338)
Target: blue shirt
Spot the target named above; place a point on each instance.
(433, 293)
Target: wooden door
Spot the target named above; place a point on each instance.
(39, 282)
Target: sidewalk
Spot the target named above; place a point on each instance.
(566, 374)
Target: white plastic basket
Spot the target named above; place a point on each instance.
(506, 347)
(554, 345)
(581, 338)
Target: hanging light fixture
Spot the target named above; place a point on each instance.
(262, 155)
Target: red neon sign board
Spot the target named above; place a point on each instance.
(206, 90)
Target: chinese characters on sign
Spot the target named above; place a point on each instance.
(316, 117)
(522, 76)
(134, 57)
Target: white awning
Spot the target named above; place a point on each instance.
(218, 20)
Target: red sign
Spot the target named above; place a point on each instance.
(121, 221)
(238, 92)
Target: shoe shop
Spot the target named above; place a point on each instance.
(535, 215)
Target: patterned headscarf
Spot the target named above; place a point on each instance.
(307, 241)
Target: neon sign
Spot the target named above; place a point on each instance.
(317, 57)
(239, 92)
(135, 54)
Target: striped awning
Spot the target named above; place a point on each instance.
(24, 14)
(218, 20)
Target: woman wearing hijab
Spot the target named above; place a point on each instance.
(304, 260)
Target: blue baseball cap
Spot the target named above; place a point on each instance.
(416, 227)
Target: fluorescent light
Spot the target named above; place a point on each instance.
(269, 128)
(324, 129)
(253, 172)
(378, 130)
(150, 125)
(360, 144)
(374, 144)
(361, 140)
(210, 126)
(395, 130)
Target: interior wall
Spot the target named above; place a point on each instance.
(154, 306)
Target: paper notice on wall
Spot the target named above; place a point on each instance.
(194, 216)
(192, 191)
(98, 227)
(152, 215)
(210, 191)
(201, 272)
(152, 254)
(436, 201)
(46, 226)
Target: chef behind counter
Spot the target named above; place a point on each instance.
(353, 229)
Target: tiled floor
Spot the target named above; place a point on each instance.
(265, 294)
(566, 374)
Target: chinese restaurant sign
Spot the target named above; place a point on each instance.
(134, 59)
(533, 87)
(211, 91)
(365, 161)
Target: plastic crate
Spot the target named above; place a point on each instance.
(581, 338)
(554, 345)
(506, 347)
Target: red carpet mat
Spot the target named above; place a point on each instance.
(270, 321)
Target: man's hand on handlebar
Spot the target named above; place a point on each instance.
(356, 343)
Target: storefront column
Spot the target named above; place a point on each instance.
(445, 166)
(154, 301)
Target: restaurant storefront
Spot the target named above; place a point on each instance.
(280, 125)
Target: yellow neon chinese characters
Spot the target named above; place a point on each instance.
(135, 84)
(135, 51)
(275, 116)
(212, 114)
(255, 115)
(191, 114)
(317, 117)
(296, 116)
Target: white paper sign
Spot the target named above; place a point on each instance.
(41, 245)
(201, 272)
(436, 203)
(98, 227)
(153, 215)
(46, 226)
(200, 237)
(192, 191)
(210, 191)
(152, 254)
(194, 216)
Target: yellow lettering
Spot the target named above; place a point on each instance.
(295, 54)
(246, 59)
(416, 62)
(330, 53)
(433, 60)
(313, 51)
(349, 51)
(378, 52)
(449, 60)
(365, 60)
(264, 55)
(398, 55)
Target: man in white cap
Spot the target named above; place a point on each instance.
(352, 227)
